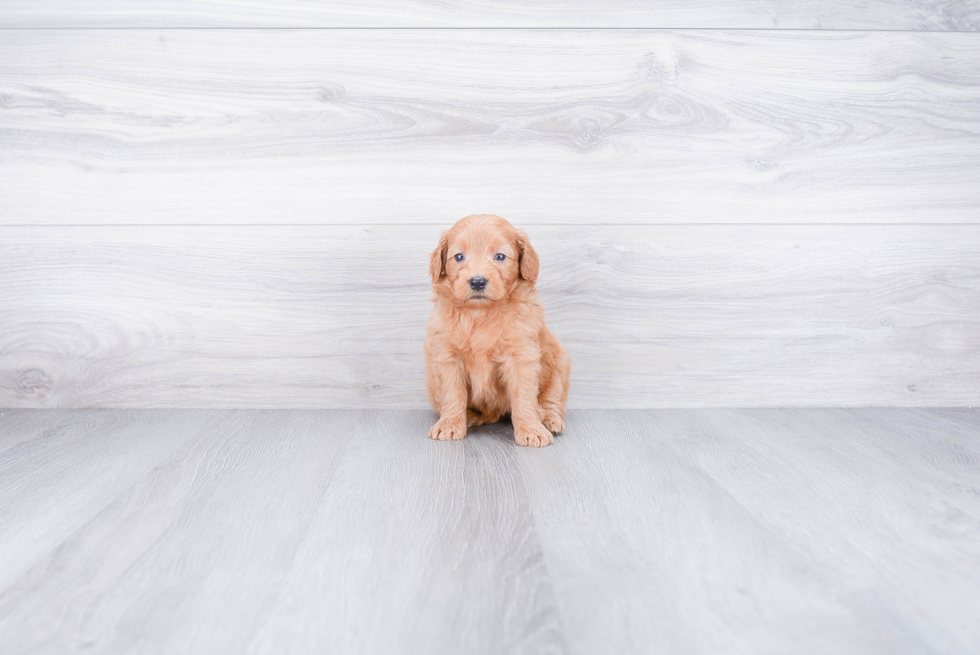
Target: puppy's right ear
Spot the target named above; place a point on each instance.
(437, 262)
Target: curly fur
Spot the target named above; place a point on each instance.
(488, 353)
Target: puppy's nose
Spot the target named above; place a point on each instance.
(478, 283)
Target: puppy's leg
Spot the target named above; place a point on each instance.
(554, 396)
(521, 379)
(451, 395)
(432, 384)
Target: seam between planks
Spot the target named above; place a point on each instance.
(548, 225)
(526, 28)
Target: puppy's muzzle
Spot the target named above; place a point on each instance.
(478, 283)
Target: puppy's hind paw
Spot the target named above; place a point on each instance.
(448, 429)
(532, 434)
(554, 423)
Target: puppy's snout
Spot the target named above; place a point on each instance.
(478, 283)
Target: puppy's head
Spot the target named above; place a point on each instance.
(482, 259)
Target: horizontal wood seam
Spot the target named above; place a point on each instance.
(489, 29)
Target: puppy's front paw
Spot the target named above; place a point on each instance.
(448, 429)
(532, 434)
(554, 422)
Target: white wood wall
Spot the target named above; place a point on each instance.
(786, 212)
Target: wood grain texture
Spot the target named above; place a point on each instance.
(63, 471)
(762, 531)
(20, 425)
(928, 515)
(422, 549)
(334, 316)
(296, 532)
(799, 14)
(543, 126)
(682, 531)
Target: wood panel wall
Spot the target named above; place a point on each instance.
(940, 15)
(787, 214)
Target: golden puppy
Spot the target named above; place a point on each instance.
(488, 352)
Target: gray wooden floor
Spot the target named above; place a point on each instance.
(669, 531)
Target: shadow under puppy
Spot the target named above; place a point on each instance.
(488, 352)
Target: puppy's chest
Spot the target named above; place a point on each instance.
(481, 351)
(484, 379)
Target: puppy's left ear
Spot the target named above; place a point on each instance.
(437, 262)
(527, 258)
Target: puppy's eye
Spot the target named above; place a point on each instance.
(458, 257)
(500, 257)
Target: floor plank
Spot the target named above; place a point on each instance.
(334, 316)
(798, 14)
(66, 475)
(423, 547)
(729, 531)
(859, 493)
(19, 425)
(268, 533)
(650, 554)
(544, 126)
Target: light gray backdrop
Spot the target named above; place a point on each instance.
(786, 213)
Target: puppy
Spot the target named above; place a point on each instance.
(488, 352)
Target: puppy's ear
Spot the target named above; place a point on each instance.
(437, 262)
(527, 258)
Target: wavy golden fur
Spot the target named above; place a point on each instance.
(488, 352)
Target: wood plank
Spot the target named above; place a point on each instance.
(424, 549)
(798, 14)
(713, 531)
(70, 472)
(20, 425)
(889, 506)
(299, 532)
(210, 515)
(544, 126)
(334, 316)
(742, 531)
